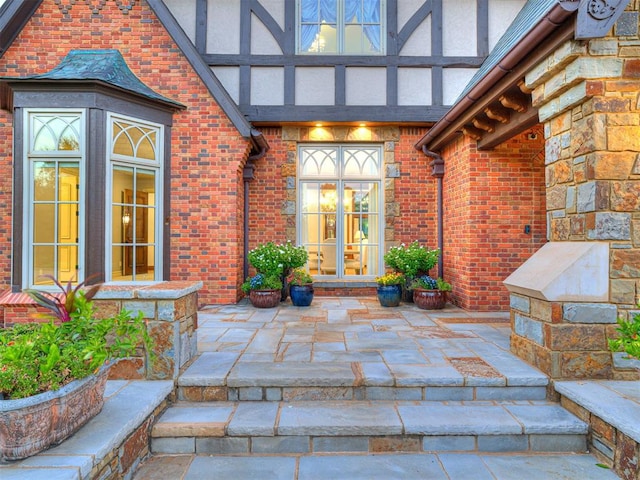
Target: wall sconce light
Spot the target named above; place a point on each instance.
(126, 218)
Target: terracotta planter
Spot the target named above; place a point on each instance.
(429, 299)
(30, 425)
(265, 298)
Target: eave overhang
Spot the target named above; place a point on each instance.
(482, 100)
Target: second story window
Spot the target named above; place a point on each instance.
(345, 27)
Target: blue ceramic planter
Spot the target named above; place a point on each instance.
(301, 295)
(389, 295)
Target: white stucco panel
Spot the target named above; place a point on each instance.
(315, 86)
(501, 14)
(419, 43)
(406, 9)
(366, 86)
(223, 26)
(275, 9)
(414, 86)
(564, 272)
(185, 13)
(267, 86)
(262, 42)
(453, 82)
(230, 79)
(459, 28)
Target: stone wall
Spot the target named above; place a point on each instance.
(587, 93)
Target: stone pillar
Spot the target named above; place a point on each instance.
(171, 312)
(587, 95)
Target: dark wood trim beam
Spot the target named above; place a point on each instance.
(280, 114)
(17, 245)
(201, 25)
(436, 28)
(234, 60)
(518, 124)
(392, 28)
(340, 93)
(482, 22)
(95, 202)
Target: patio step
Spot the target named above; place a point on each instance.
(302, 428)
(219, 376)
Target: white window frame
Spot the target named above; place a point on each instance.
(340, 180)
(28, 279)
(158, 167)
(340, 31)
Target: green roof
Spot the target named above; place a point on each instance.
(530, 15)
(106, 66)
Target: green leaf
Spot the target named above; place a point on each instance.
(602, 465)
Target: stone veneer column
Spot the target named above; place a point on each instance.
(171, 312)
(587, 93)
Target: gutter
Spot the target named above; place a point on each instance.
(550, 22)
(261, 146)
(437, 170)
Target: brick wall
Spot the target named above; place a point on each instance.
(207, 151)
(489, 197)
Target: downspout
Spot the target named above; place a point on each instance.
(247, 175)
(437, 171)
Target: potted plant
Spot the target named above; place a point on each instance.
(628, 341)
(291, 257)
(53, 373)
(390, 289)
(412, 261)
(278, 260)
(430, 293)
(300, 287)
(264, 290)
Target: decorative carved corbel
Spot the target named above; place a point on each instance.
(472, 132)
(596, 17)
(515, 100)
(483, 124)
(498, 112)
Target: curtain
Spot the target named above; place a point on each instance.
(314, 12)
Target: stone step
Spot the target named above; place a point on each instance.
(402, 466)
(220, 376)
(294, 428)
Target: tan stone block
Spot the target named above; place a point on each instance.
(180, 307)
(291, 133)
(623, 291)
(563, 171)
(625, 196)
(394, 444)
(287, 170)
(603, 429)
(561, 123)
(625, 263)
(580, 173)
(612, 166)
(623, 138)
(136, 447)
(635, 232)
(621, 119)
(127, 369)
(107, 308)
(541, 309)
(580, 412)
(629, 51)
(585, 365)
(189, 429)
(627, 458)
(557, 197)
(575, 337)
(560, 229)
